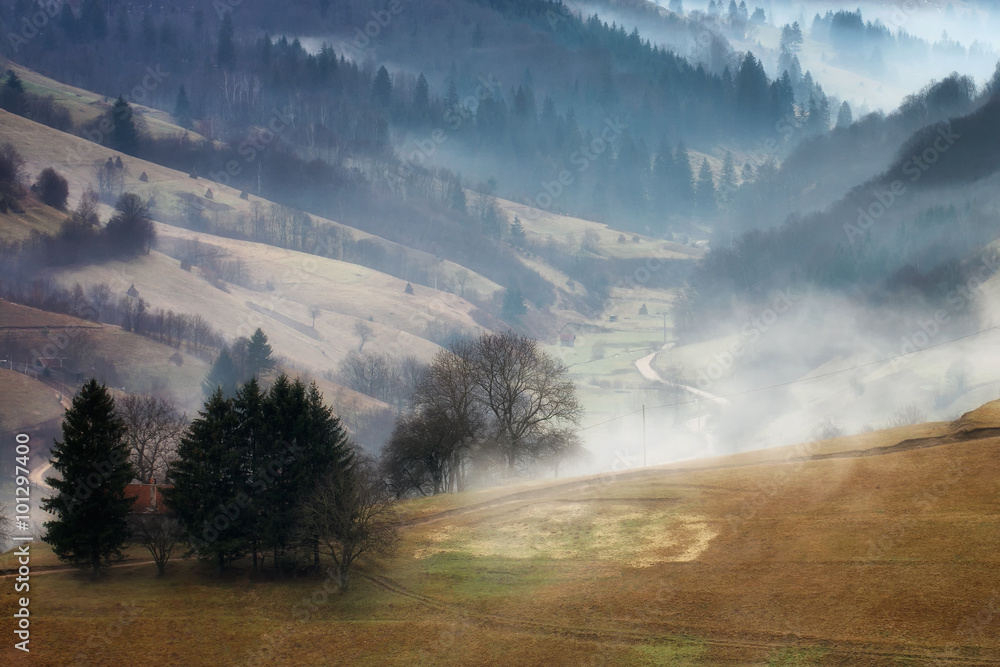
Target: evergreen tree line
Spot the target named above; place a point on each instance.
(263, 474)
(341, 108)
(246, 465)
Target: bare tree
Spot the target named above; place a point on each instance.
(525, 391)
(154, 428)
(461, 278)
(100, 295)
(110, 180)
(421, 453)
(87, 213)
(364, 332)
(314, 312)
(79, 348)
(556, 446)
(350, 513)
(159, 533)
(906, 415)
(827, 429)
(372, 374)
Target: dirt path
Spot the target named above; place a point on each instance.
(671, 632)
(69, 568)
(645, 368)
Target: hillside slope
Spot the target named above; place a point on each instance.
(876, 550)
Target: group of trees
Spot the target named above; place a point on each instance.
(272, 472)
(265, 472)
(536, 121)
(915, 250)
(388, 378)
(238, 362)
(493, 405)
(81, 238)
(39, 108)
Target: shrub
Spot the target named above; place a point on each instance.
(53, 189)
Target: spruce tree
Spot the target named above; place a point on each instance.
(210, 495)
(225, 53)
(705, 188)
(727, 178)
(844, 116)
(517, 235)
(223, 376)
(288, 434)
(90, 505)
(12, 94)
(682, 184)
(513, 305)
(254, 445)
(382, 88)
(124, 131)
(258, 355)
(182, 108)
(421, 98)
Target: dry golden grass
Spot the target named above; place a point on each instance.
(853, 560)
(144, 365)
(540, 225)
(36, 217)
(85, 106)
(75, 157)
(26, 402)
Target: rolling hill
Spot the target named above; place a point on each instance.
(870, 550)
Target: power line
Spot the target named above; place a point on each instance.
(800, 380)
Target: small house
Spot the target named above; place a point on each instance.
(147, 498)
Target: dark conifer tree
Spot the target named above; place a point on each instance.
(421, 99)
(225, 52)
(12, 94)
(210, 484)
(224, 376)
(705, 189)
(93, 16)
(93, 463)
(382, 88)
(182, 107)
(258, 356)
(124, 135)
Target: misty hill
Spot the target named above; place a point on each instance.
(499, 96)
(913, 231)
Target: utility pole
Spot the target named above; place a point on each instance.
(643, 435)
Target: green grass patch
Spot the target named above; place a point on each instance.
(796, 657)
(686, 651)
